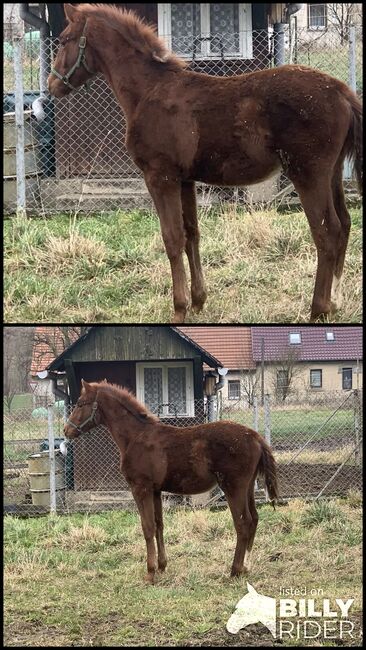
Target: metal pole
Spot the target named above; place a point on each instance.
(267, 428)
(262, 377)
(347, 167)
(19, 123)
(356, 406)
(352, 58)
(279, 44)
(211, 416)
(51, 448)
(267, 419)
(255, 413)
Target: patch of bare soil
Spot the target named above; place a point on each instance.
(301, 479)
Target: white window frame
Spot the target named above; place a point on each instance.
(293, 334)
(164, 365)
(230, 382)
(317, 27)
(319, 370)
(245, 31)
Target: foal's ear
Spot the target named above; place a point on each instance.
(71, 12)
(84, 386)
(162, 58)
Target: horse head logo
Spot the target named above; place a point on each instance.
(253, 608)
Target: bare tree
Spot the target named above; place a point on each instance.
(284, 372)
(341, 15)
(18, 343)
(55, 340)
(249, 384)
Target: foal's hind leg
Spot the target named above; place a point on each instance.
(317, 199)
(345, 219)
(162, 561)
(238, 503)
(254, 514)
(189, 205)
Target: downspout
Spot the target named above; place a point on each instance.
(279, 33)
(44, 31)
(210, 399)
(58, 392)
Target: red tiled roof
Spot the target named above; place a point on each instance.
(347, 344)
(48, 344)
(230, 344)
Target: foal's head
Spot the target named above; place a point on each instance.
(86, 413)
(74, 63)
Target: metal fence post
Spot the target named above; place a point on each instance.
(255, 413)
(267, 419)
(51, 449)
(19, 122)
(357, 413)
(267, 427)
(347, 167)
(352, 58)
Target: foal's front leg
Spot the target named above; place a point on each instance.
(166, 194)
(145, 504)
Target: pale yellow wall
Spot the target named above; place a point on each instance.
(331, 376)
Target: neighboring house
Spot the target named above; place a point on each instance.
(315, 19)
(161, 365)
(310, 358)
(232, 344)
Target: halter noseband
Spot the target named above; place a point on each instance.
(91, 418)
(79, 62)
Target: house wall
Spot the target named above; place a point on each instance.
(331, 376)
(328, 35)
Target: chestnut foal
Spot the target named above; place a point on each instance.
(185, 126)
(158, 457)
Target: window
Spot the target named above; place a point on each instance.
(316, 378)
(234, 389)
(207, 30)
(295, 338)
(282, 379)
(346, 378)
(317, 16)
(329, 336)
(166, 388)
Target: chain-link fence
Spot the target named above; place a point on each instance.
(75, 158)
(316, 440)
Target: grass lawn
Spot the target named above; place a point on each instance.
(78, 580)
(259, 267)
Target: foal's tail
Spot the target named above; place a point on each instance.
(267, 469)
(353, 144)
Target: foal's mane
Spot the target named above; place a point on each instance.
(128, 400)
(135, 31)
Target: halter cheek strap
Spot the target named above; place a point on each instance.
(78, 63)
(91, 418)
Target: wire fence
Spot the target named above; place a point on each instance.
(75, 158)
(317, 443)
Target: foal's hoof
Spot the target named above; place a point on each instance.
(237, 573)
(198, 302)
(149, 578)
(162, 567)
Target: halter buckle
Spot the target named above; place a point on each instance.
(82, 42)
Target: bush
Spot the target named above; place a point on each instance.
(39, 413)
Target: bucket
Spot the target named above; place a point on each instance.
(39, 477)
(31, 161)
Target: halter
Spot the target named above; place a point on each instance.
(91, 418)
(79, 62)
